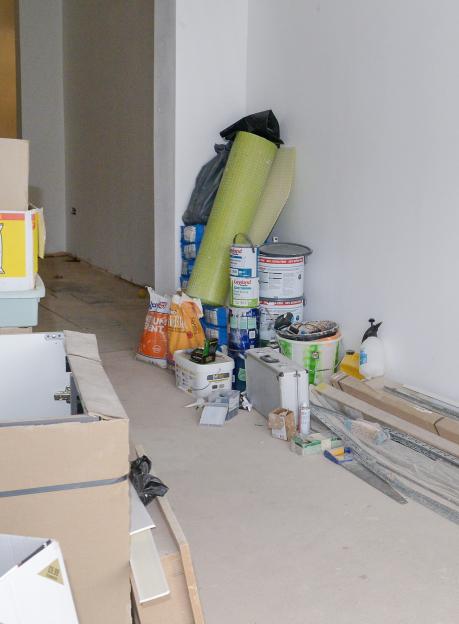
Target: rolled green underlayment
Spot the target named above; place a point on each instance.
(234, 209)
(275, 195)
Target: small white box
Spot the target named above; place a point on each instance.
(201, 379)
(34, 586)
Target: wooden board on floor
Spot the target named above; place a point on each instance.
(175, 608)
(398, 407)
(369, 412)
(186, 579)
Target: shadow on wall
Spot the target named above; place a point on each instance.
(36, 196)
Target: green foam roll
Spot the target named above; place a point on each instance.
(233, 212)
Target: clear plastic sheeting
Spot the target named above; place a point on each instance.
(432, 483)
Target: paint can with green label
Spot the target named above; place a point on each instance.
(319, 357)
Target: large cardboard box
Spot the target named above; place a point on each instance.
(14, 174)
(34, 586)
(63, 469)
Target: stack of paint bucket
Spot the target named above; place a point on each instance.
(281, 273)
(244, 305)
(190, 241)
(215, 325)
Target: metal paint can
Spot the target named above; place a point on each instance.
(270, 309)
(243, 333)
(243, 258)
(239, 369)
(244, 292)
(281, 270)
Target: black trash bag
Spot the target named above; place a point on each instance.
(146, 485)
(206, 187)
(263, 124)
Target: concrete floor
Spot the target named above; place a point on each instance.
(275, 538)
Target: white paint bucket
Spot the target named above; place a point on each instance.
(319, 357)
(244, 292)
(281, 270)
(243, 259)
(270, 309)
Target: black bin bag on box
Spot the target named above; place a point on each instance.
(206, 187)
(263, 124)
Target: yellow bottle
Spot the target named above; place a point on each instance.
(350, 364)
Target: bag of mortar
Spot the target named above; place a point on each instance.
(153, 343)
(184, 329)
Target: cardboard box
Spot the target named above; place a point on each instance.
(68, 479)
(14, 174)
(34, 586)
(21, 243)
(282, 423)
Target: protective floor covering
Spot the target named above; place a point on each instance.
(275, 538)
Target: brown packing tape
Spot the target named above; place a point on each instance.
(448, 428)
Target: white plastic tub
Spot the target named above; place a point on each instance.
(201, 379)
(20, 308)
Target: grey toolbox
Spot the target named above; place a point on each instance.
(275, 381)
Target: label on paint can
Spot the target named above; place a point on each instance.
(243, 261)
(271, 309)
(244, 292)
(281, 277)
(243, 333)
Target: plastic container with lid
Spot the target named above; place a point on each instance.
(20, 308)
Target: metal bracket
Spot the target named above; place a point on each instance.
(63, 395)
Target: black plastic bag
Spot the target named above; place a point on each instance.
(206, 187)
(263, 124)
(146, 485)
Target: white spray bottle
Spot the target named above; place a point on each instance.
(372, 352)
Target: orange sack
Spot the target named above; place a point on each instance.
(153, 343)
(185, 330)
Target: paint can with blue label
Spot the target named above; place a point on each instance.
(244, 328)
(238, 370)
(243, 258)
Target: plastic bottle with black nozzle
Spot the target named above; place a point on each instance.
(372, 352)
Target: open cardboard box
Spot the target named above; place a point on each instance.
(34, 586)
(64, 466)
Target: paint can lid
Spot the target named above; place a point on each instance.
(278, 250)
(310, 330)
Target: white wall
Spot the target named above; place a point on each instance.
(207, 74)
(108, 83)
(368, 92)
(42, 111)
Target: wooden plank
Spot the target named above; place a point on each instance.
(140, 519)
(147, 572)
(369, 412)
(398, 407)
(185, 552)
(175, 608)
